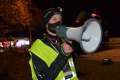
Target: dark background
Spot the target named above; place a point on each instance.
(108, 9)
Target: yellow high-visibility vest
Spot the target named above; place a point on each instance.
(48, 55)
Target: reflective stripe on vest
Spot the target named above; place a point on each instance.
(34, 77)
(48, 55)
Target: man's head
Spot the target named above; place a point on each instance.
(52, 15)
(52, 18)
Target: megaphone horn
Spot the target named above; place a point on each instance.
(89, 35)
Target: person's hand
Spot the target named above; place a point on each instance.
(67, 48)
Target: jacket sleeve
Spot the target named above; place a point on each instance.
(49, 73)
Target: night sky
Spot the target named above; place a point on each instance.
(108, 9)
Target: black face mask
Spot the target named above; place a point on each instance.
(52, 27)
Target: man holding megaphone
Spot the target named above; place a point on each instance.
(50, 53)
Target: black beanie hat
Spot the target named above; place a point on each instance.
(47, 14)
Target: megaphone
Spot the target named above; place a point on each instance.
(89, 35)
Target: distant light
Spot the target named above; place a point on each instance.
(22, 42)
(93, 15)
(60, 9)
